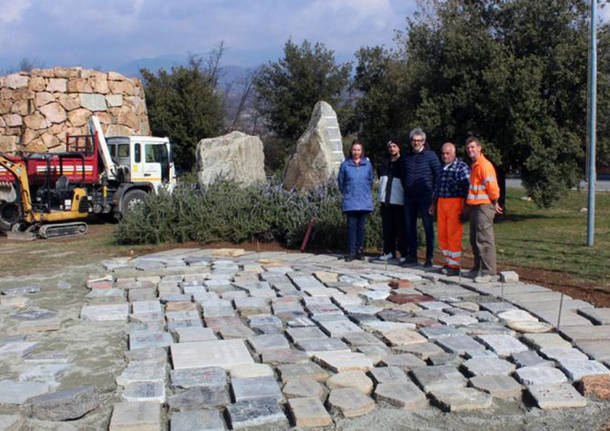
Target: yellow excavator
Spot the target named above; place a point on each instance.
(46, 222)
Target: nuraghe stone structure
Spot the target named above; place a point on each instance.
(38, 108)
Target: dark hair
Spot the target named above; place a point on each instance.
(356, 142)
(475, 140)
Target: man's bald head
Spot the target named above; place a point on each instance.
(448, 152)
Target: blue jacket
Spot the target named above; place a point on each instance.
(355, 183)
(421, 172)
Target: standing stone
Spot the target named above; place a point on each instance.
(236, 156)
(65, 405)
(141, 416)
(319, 151)
(350, 402)
(309, 412)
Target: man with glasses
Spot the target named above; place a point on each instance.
(420, 174)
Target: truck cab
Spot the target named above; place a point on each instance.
(147, 159)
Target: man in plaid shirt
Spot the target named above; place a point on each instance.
(450, 194)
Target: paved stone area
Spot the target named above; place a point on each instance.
(226, 339)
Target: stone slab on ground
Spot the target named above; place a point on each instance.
(194, 334)
(108, 312)
(12, 392)
(303, 387)
(266, 342)
(245, 389)
(388, 375)
(314, 347)
(11, 422)
(286, 356)
(251, 370)
(139, 371)
(459, 344)
(577, 369)
(546, 341)
(305, 333)
(438, 377)
(17, 348)
(145, 391)
(65, 405)
(306, 369)
(344, 361)
(403, 394)
(531, 359)
(596, 386)
(403, 337)
(487, 366)
(199, 397)
(503, 345)
(498, 386)
(599, 316)
(350, 402)
(191, 377)
(561, 355)
(351, 379)
(433, 332)
(339, 328)
(540, 376)
(556, 396)
(461, 399)
(146, 338)
(406, 361)
(197, 420)
(202, 354)
(130, 416)
(599, 350)
(586, 333)
(309, 412)
(264, 413)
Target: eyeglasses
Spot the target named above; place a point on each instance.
(417, 140)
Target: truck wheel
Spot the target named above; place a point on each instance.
(132, 199)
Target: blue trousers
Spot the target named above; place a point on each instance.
(356, 221)
(413, 208)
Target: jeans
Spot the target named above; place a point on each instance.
(356, 221)
(413, 208)
(392, 221)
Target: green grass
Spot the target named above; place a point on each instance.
(555, 239)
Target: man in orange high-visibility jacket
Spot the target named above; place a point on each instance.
(450, 195)
(482, 201)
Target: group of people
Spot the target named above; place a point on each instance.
(417, 185)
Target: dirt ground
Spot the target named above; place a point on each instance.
(20, 258)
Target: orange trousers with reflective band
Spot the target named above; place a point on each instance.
(450, 230)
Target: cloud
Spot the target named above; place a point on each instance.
(12, 10)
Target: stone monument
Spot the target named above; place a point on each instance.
(235, 156)
(319, 151)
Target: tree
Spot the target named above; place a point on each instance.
(185, 104)
(513, 73)
(288, 89)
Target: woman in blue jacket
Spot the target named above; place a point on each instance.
(355, 183)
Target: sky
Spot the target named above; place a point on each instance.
(110, 33)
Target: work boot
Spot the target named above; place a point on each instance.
(360, 254)
(349, 257)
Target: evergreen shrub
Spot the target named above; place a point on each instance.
(224, 211)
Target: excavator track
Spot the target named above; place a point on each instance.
(62, 230)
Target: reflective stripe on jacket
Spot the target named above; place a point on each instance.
(483, 183)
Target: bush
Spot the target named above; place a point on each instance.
(224, 211)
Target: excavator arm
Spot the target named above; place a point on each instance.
(18, 170)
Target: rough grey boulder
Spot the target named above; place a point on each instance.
(65, 405)
(319, 151)
(235, 156)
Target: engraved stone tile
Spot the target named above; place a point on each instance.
(540, 376)
(264, 413)
(251, 388)
(199, 397)
(145, 391)
(403, 394)
(201, 354)
(502, 345)
(438, 377)
(309, 412)
(461, 399)
(191, 377)
(556, 396)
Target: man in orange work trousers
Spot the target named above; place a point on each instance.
(482, 202)
(450, 194)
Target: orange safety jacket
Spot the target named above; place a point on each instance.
(483, 183)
